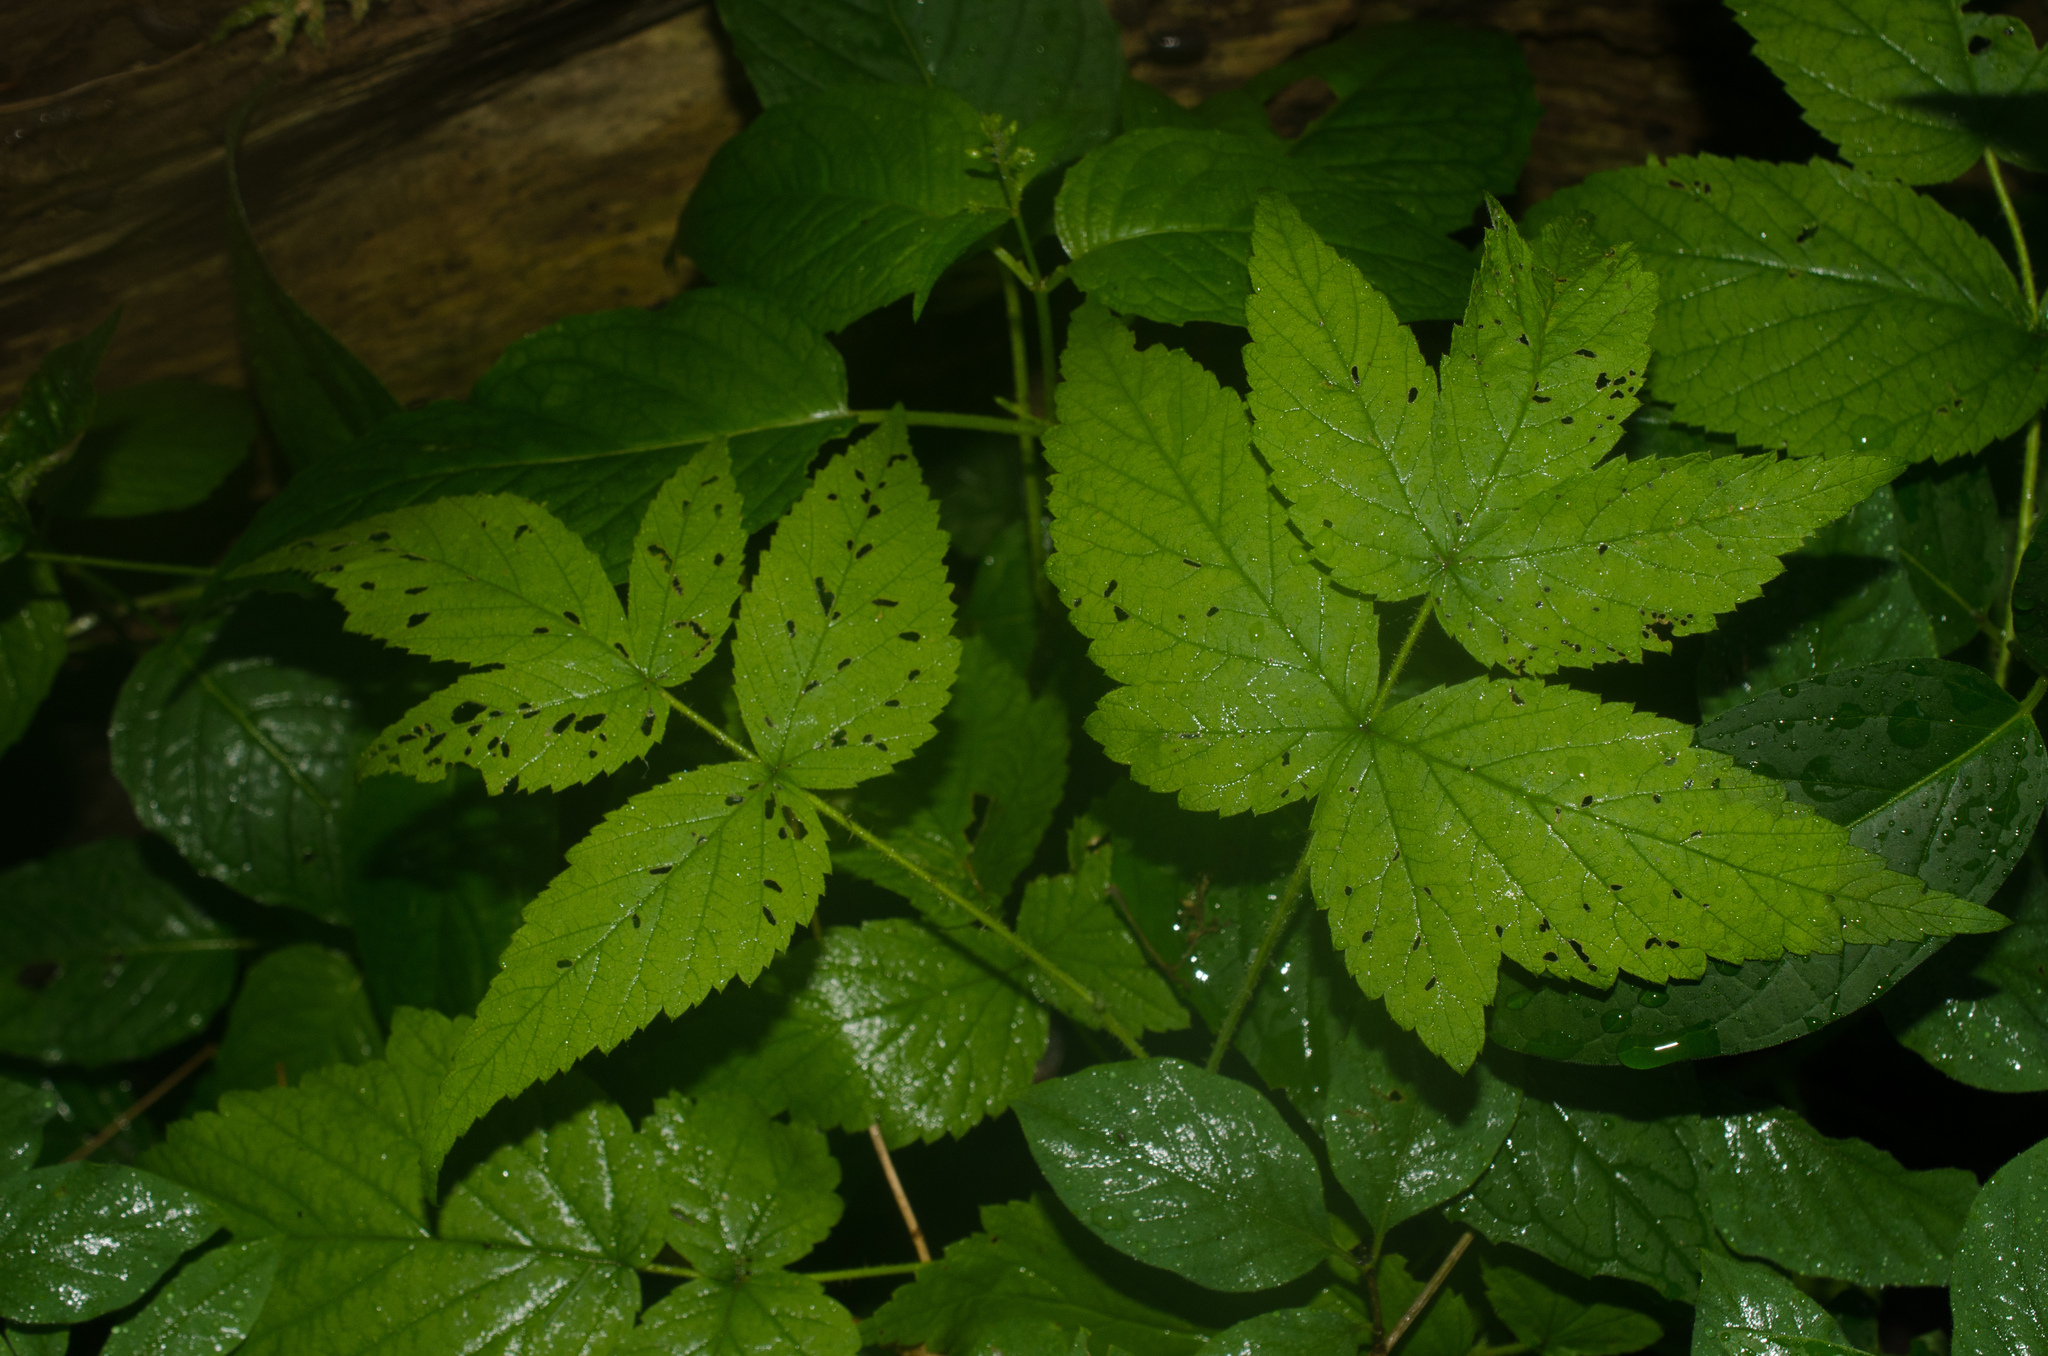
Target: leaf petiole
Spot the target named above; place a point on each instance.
(981, 423)
(2019, 237)
(1436, 1283)
(1290, 898)
(132, 566)
(1401, 657)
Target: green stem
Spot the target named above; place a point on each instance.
(1401, 657)
(1290, 897)
(657, 1269)
(1087, 996)
(821, 1277)
(2019, 238)
(1436, 1282)
(1983, 622)
(1027, 447)
(132, 566)
(2023, 535)
(980, 423)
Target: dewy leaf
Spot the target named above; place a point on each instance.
(2030, 606)
(301, 1008)
(1073, 922)
(1750, 1310)
(685, 887)
(1289, 1332)
(1953, 548)
(44, 426)
(686, 569)
(1183, 1169)
(83, 1239)
(745, 1193)
(1879, 78)
(767, 1311)
(155, 447)
(555, 697)
(1980, 1014)
(845, 651)
(208, 1307)
(1159, 222)
(1023, 1271)
(23, 1111)
(32, 643)
(1246, 671)
(1999, 1289)
(1558, 1325)
(110, 961)
(1490, 493)
(589, 418)
(1817, 309)
(1593, 1178)
(844, 200)
(1840, 1208)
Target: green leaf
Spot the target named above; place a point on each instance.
(434, 947)
(1874, 75)
(1840, 1208)
(686, 569)
(685, 887)
(1074, 923)
(1558, 1325)
(1980, 1013)
(746, 1194)
(1594, 1178)
(1288, 1332)
(589, 418)
(111, 961)
(1024, 1269)
(1814, 308)
(23, 1110)
(2030, 606)
(155, 447)
(1246, 671)
(1750, 1310)
(208, 1307)
(44, 427)
(844, 653)
(1490, 493)
(767, 1311)
(237, 741)
(1846, 599)
(1953, 548)
(36, 1341)
(2000, 1286)
(317, 396)
(1183, 1169)
(1159, 222)
(841, 201)
(301, 1008)
(1000, 609)
(82, 1239)
(33, 617)
(1447, 1328)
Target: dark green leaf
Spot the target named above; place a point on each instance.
(152, 448)
(1017, 1275)
(55, 409)
(1830, 1207)
(208, 1307)
(434, 946)
(88, 1105)
(844, 200)
(1182, 1169)
(746, 1194)
(83, 1239)
(1447, 1328)
(1980, 1013)
(109, 961)
(771, 1311)
(2030, 606)
(300, 1009)
(32, 623)
(1751, 1310)
(34, 1341)
(23, 1110)
(2000, 1287)
(1073, 921)
(1953, 548)
(1289, 1332)
(1559, 1325)
(1815, 308)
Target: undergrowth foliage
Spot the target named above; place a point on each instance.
(1422, 685)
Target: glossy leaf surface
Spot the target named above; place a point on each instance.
(2000, 1285)
(1559, 1325)
(207, 1308)
(746, 1193)
(83, 1239)
(24, 1109)
(769, 1311)
(1981, 1014)
(1750, 1310)
(32, 618)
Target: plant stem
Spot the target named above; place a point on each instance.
(1401, 657)
(1027, 447)
(931, 882)
(862, 1273)
(143, 1103)
(2019, 238)
(980, 423)
(1983, 622)
(658, 1269)
(1436, 1282)
(924, 1254)
(2023, 535)
(1290, 896)
(132, 566)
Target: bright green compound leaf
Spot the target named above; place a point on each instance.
(745, 1194)
(844, 200)
(1840, 1208)
(767, 1311)
(32, 620)
(1953, 547)
(1074, 923)
(237, 740)
(44, 427)
(152, 448)
(1183, 1169)
(589, 418)
(2000, 1286)
(1289, 1332)
(208, 1307)
(844, 653)
(83, 1239)
(111, 962)
(1490, 493)
(301, 1008)
(23, 1111)
(1595, 1179)
(1980, 1014)
(1814, 308)
(1029, 1266)
(686, 569)
(1159, 222)
(1559, 1325)
(1750, 1310)
(1876, 76)
(685, 887)
(1247, 671)
(1846, 599)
